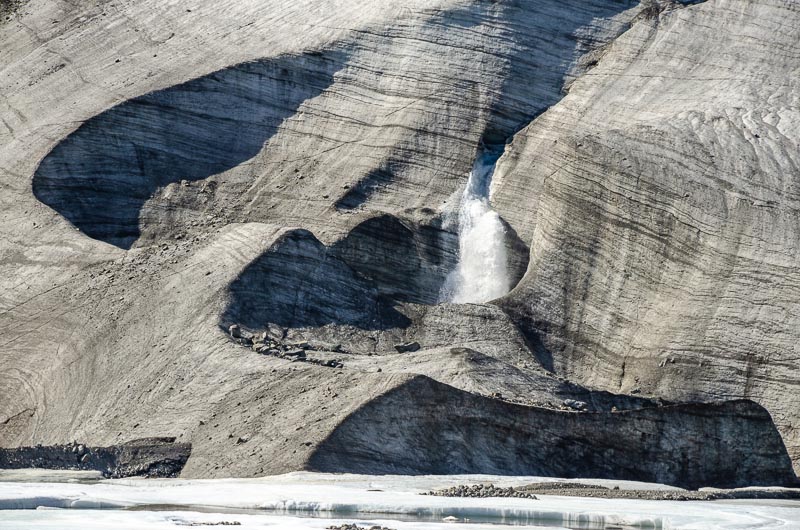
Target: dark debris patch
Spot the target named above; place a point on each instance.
(482, 491)
(8, 7)
(146, 457)
(263, 344)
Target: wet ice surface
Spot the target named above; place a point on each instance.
(126, 520)
(313, 501)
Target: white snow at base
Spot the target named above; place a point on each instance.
(352, 498)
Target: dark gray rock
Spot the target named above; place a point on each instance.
(482, 491)
(407, 347)
(576, 405)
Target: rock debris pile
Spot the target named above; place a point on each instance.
(571, 405)
(481, 491)
(292, 351)
(144, 457)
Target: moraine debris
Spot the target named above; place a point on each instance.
(481, 491)
(263, 344)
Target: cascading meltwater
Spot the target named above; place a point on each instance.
(482, 271)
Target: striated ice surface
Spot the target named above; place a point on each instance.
(311, 500)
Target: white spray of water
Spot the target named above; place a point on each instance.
(481, 274)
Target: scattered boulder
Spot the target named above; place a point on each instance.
(576, 405)
(298, 353)
(407, 347)
(333, 363)
(235, 331)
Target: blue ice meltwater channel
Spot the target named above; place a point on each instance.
(482, 271)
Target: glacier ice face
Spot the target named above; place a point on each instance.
(656, 199)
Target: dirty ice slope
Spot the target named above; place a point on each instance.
(290, 166)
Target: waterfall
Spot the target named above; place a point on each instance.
(482, 271)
